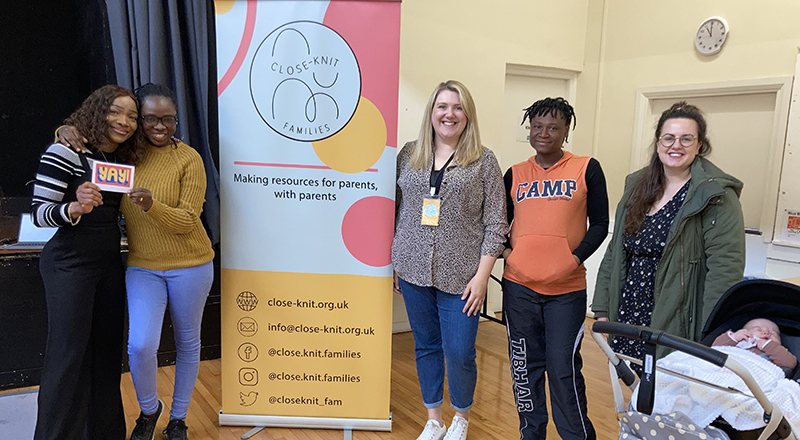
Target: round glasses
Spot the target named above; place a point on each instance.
(668, 140)
(152, 120)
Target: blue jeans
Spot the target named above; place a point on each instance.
(149, 292)
(442, 331)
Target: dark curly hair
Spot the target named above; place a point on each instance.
(91, 120)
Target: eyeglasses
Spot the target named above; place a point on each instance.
(667, 140)
(153, 120)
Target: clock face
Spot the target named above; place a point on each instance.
(711, 36)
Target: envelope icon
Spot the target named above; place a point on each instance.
(247, 326)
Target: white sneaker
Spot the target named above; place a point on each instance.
(433, 431)
(458, 429)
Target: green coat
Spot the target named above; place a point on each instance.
(704, 254)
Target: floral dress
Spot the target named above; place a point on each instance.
(644, 251)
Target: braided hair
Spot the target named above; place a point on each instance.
(558, 107)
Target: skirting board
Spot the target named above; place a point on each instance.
(305, 422)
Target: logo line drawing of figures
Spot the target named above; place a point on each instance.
(307, 78)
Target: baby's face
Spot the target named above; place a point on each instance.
(764, 329)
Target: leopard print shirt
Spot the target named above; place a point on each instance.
(472, 222)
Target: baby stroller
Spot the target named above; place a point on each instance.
(775, 300)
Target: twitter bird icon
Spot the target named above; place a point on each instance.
(248, 399)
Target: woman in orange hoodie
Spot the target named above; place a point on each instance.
(549, 199)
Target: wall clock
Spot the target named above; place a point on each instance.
(711, 35)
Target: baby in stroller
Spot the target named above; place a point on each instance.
(762, 337)
(727, 392)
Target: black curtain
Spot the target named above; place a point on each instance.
(172, 42)
(53, 54)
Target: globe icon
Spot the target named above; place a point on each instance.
(247, 301)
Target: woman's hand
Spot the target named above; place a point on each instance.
(506, 253)
(88, 195)
(396, 283)
(603, 319)
(475, 294)
(70, 136)
(141, 197)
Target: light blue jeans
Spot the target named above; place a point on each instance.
(442, 332)
(149, 293)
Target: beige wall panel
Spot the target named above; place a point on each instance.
(472, 41)
(650, 44)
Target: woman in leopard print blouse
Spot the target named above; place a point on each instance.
(450, 228)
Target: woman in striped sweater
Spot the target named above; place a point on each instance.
(83, 273)
(169, 262)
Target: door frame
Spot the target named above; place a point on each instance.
(571, 76)
(780, 86)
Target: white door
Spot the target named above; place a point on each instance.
(520, 92)
(740, 130)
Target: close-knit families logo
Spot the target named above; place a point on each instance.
(305, 81)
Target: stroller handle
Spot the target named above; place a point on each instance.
(658, 337)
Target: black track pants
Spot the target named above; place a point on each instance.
(544, 335)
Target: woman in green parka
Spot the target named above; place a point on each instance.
(678, 241)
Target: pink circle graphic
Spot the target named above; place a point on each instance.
(368, 229)
(244, 45)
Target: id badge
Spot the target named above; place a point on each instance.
(430, 211)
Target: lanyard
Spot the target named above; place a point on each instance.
(438, 175)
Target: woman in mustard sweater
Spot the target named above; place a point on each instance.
(169, 261)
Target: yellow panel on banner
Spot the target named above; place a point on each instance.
(306, 344)
(308, 128)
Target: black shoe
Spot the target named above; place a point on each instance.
(176, 430)
(145, 428)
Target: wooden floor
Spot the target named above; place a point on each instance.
(493, 416)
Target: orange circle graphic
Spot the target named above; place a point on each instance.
(359, 144)
(222, 7)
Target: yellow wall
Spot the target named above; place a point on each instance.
(649, 43)
(471, 41)
(618, 46)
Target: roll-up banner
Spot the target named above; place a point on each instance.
(308, 129)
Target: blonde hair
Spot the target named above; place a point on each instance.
(469, 147)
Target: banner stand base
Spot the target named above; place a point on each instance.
(348, 433)
(261, 422)
(252, 432)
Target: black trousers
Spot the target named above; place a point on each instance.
(79, 397)
(545, 333)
